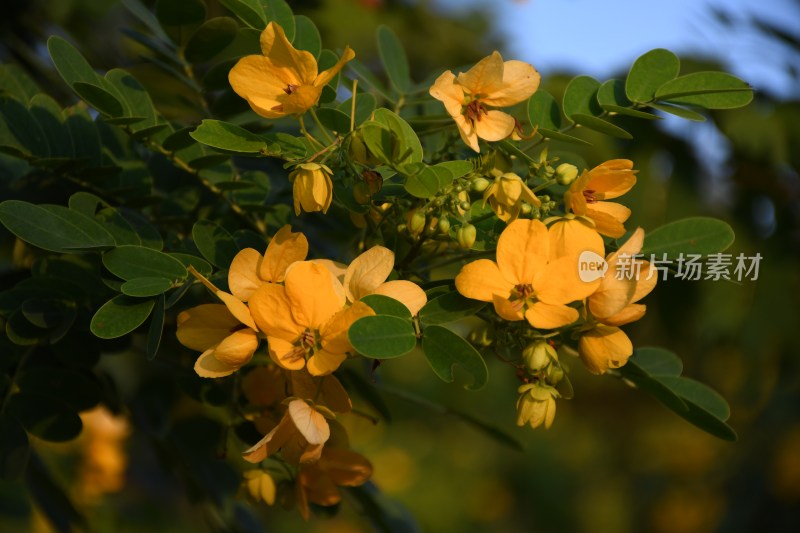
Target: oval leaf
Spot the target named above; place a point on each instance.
(214, 243)
(210, 39)
(449, 307)
(649, 72)
(580, 96)
(119, 316)
(712, 90)
(228, 137)
(143, 287)
(131, 262)
(383, 305)
(394, 59)
(382, 336)
(694, 235)
(445, 349)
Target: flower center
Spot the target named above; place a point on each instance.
(290, 88)
(474, 110)
(304, 346)
(522, 294)
(589, 194)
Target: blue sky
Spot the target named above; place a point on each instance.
(600, 37)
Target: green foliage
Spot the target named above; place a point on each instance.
(382, 336)
(694, 235)
(445, 350)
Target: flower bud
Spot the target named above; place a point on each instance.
(415, 221)
(555, 374)
(312, 188)
(566, 173)
(444, 225)
(361, 193)
(480, 184)
(536, 405)
(482, 335)
(538, 355)
(357, 150)
(466, 236)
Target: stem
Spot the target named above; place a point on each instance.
(353, 106)
(308, 135)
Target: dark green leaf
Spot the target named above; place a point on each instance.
(543, 111)
(148, 233)
(215, 243)
(383, 305)
(45, 416)
(278, 11)
(394, 59)
(14, 448)
(156, 328)
(382, 336)
(365, 105)
(147, 17)
(307, 36)
(598, 124)
(699, 394)
(580, 97)
(179, 293)
(678, 111)
(448, 307)
(366, 75)
(16, 83)
(712, 90)
(694, 235)
(120, 315)
(424, 184)
(19, 131)
(445, 349)
(135, 98)
(334, 119)
(180, 12)
(228, 137)
(250, 12)
(649, 72)
(99, 98)
(21, 332)
(143, 287)
(131, 262)
(47, 113)
(199, 264)
(657, 361)
(119, 228)
(210, 39)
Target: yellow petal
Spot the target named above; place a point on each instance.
(301, 99)
(310, 290)
(467, 132)
(574, 199)
(243, 277)
(328, 388)
(494, 125)
(510, 189)
(297, 66)
(367, 272)
(520, 81)
(272, 441)
(256, 79)
(237, 308)
(324, 362)
(629, 314)
(486, 77)
(550, 316)
(609, 218)
(408, 293)
(506, 309)
(334, 332)
(208, 366)
(449, 93)
(238, 348)
(648, 277)
(604, 347)
(481, 280)
(204, 326)
(523, 250)
(327, 75)
(560, 283)
(310, 423)
(286, 354)
(272, 312)
(630, 248)
(612, 179)
(334, 267)
(613, 295)
(284, 249)
(571, 237)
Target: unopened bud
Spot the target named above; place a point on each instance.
(538, 355)
(357, 150)
(566, 173)
(444, 225)
(466, 236)
(415, 221)
(555, 374)
(480, 184)
(526, 209)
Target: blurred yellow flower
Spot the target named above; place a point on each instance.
(319, 482)
(525, 282)
(604, 182)
(614, 304)
(306, 320)
(260, 486)
(283, 81)
(312, 188)
(493, 83)
(506, 194)
(536, 405)
(299, 436)
(367, 275)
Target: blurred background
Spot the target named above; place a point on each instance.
(615, 460)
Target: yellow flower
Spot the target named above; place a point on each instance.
(283, 81)
(525, 282)
(249, 269)
(604, 182)
(571, 236)
(306, 320)
(319, 482)
(367, 275)
(300, 436)
(312, 188)
(493, 83)
(536, 405)
(506, 194)
(614, 304)
(260, 486)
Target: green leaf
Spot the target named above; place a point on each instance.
(543, 111)
(598, 124)
(712, 90)
(118, 226)
(229, 137)
(365, 74)
(639, 377)
(457, 169)
(445, 349)
(146, 16)
(51, 499)
(379, 139)
(19, 132)
(214, 243)
(382, 336)
(334, 119)
(45, 416)
(394, 59)
(611, 97)
(279, 11)
(649, 72)
(52, 227)
(424, 184)
(383, 305)
(365, 105)
(99, 98)
(180, 12)
(210, 39)
(156, 328)
(79, 389)
(580, 97)
(250, 12)
(448, 307)
(657, 361)
(16, 83)
(694, 235)
(202, 266)
(307, 36)
(143, 287)
(132, 262)
(699, 394)
(148, 233)
(409, 149)
(47, 113)
(70, 63)
(14, 448)
(678, 111)
(120, 315)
